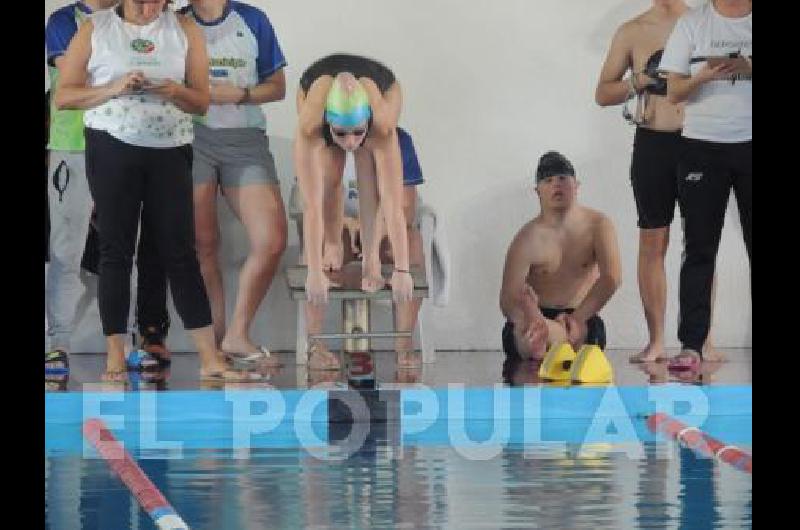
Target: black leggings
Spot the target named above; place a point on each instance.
(126, 181)
(152, 316)
(707, 172)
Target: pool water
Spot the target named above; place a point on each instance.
(382, 485)
(454, 457)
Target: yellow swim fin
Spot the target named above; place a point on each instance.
(591, 366)
(558, 362)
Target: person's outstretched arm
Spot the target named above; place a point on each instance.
(310, 180)
(608, 263)
(385, 113)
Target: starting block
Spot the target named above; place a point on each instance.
(589, 365)
(356, 328)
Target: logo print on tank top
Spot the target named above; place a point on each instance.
(142, 46)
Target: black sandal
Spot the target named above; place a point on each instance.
(56, 362)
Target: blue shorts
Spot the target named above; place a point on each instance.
(412, 176)
(412, 172)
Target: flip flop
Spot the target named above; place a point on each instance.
(55, 382)
(147, 380)
(248, 359)
(159, 352)
(222, 377)
(56, 362)
(53, 385)
(684, 362)
(142, 361)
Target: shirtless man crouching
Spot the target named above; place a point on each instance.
(561, 269)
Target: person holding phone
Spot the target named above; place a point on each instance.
(708, 60)
(140, 71)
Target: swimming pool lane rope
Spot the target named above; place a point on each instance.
(120, 461)
(700, 442)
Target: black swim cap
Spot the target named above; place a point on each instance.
(553, 163)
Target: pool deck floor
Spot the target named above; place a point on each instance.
(470, 368)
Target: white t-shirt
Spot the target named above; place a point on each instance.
(159, 50)
(350, 182)
(243, 50)
(719, 110)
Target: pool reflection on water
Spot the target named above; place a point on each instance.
(593, 486)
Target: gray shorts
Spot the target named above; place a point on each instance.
(232, 157)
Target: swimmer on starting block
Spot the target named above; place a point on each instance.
(348, 103)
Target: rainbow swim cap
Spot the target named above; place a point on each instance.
(344, 109)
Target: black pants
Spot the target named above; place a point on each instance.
(127, 181)
(152, 316)
(706, 174)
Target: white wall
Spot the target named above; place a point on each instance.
(489, 85)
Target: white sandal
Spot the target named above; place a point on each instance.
(249, 358)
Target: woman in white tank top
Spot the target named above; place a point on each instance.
(140, 70)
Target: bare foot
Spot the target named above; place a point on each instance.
(687, 360)
(408, 375)
(116, 370)
(532, 336)
(656, 371)
(332, 256)
(270, 361)
(408, 359)
(711, 354)
(217, 370)
(372, 284)
(526, 372)
(403, 344)
(321, 358)
(323, 377)
(371, 278)
(237, 345)
(114, 376)
(650, 354)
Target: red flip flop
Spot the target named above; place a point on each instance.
(684, 362)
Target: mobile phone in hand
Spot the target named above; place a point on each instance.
(739, 64)
(151, 83)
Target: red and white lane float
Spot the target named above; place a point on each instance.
(126, 468)
(700, 442)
